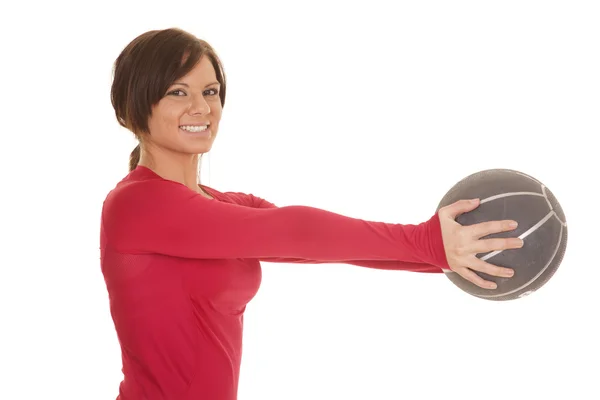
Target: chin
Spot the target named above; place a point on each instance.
(198, 149)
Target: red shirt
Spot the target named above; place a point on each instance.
(180, 269)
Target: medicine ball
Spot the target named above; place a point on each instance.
(512, 195)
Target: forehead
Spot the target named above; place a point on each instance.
(201, 74)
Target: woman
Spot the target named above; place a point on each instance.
(181, 260)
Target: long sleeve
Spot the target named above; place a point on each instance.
(257, 202)
(165, 217)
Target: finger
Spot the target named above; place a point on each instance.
(476, 279)
(495, 244)
(490, 269)
(459, 207)
(490, 227)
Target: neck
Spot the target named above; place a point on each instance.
(177, 167)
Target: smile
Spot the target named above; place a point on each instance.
(194, 128)
(196, 131)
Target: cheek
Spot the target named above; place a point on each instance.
(172, 116)
(163, 123)
(216, 111)
(162, 115)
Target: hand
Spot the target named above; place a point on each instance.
(462, 243)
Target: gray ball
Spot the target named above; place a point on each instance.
(508, 194)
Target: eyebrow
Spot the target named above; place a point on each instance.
(186, 85)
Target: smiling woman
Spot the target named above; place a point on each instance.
(181, 260)
(172, 84)
(191, 110)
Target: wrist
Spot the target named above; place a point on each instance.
(436, 250)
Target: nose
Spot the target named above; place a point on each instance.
(198, 105)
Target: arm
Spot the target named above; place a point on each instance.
(250, 200)
(393, 265)
(164, 217)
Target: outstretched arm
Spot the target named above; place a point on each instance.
(250, 200)
(158, 216)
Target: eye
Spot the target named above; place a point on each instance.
(177, 92)
(214, 92)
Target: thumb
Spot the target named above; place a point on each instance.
(462, 206)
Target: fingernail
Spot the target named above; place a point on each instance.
(513, 224)
(510, 272)
(474, 201)
(492, 285)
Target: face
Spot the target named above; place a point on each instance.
(186, 119)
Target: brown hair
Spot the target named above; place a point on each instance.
(147, 67)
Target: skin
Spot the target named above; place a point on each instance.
(173, 154)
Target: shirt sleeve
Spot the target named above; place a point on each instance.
(165, 217)
(250, 200)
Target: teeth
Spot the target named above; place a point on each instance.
(191, 128)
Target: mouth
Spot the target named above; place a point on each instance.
(196, 130)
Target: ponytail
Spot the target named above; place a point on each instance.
(134, 158)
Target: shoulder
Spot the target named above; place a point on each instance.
(134, 194)
(141, 190)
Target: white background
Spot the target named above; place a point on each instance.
(372, 110)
